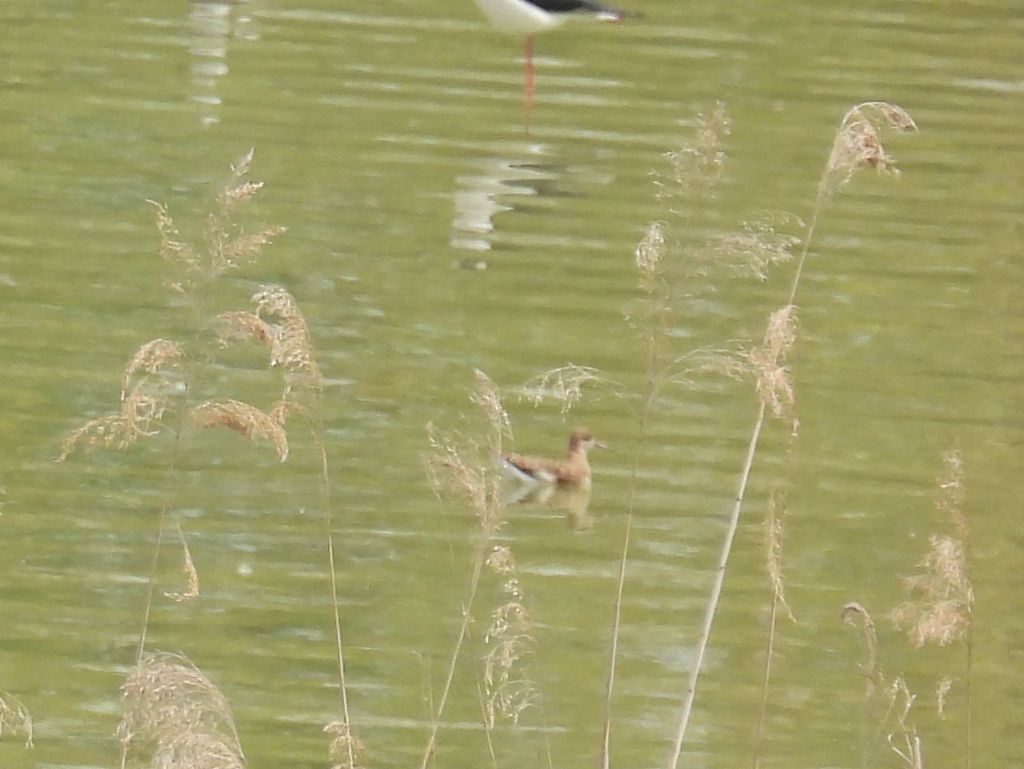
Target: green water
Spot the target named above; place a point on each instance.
(428, 237)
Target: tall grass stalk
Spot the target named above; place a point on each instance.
(467, 470)
(895, 724)
(773, 534)
(694, 170)
(649, 255)
(460, 638)
(161, 523)
(344, 735)
(857, 144)
(281, 326)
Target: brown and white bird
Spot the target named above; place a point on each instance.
(573, 470)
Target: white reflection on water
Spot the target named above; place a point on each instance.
(213, 24)
(481, 196)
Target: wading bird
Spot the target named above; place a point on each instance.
(528, 17)
(574, 470)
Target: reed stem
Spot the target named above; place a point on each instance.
(467, 618)
(325, 500)
(716, 591)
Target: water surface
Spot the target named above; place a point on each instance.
(428, 236)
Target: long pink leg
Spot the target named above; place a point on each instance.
(529, 84)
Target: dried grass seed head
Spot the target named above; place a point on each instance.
(488, 397)
(456, 467)
(501, 561)
(139, 417)
(941, 611)
(563, 385)
(508, 689)
(241, 249)
(695, 167)
(858, 142)
(15, 718)
(150, 359)
(227, 245)
(345, 750)
(774, 530)
(188, 566)
(942, 594)
(774, 386)
(291, 343)
(651, 250)
(242, 326)
(952, 501)
(942, 690)
(173, 709)
(244, 419)
(173, 249)
(759, 246)
(851, 614)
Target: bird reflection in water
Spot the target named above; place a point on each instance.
(573, 501)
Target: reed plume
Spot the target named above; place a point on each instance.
(291, 346)
(139, 417)
(942, 690)
(242, 326)
(772, 378)
(192, 270)
(177, 717)
(465, 466)
(15, 718)
(244, 419)
(188, 566)
(226, 243)
(852, 614)
(761, 244)
(345, 750)
(941, 604)
(563, 385)
(455, 466)
(858, 143)
(940, 611)
(510, 640)
(151, 359)
(148, 381)
(694, 168)
(774, 530)
(173, 248)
